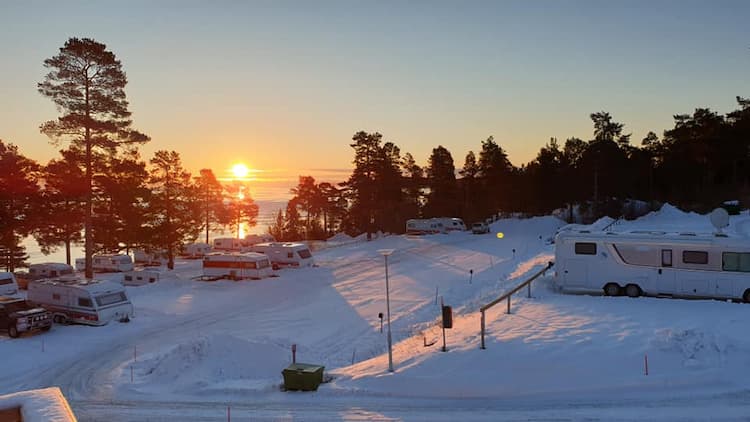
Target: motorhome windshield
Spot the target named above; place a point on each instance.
(304, 253)
(111, 298)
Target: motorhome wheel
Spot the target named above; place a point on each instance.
(632, 290)
(58, 319)
(12, 330)
(612, 289)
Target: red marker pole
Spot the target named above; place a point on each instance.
(229, 414)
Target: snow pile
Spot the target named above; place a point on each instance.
(214, 363)
(693, 347)
(340, 237)
(43, 405)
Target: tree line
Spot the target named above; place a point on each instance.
(102, 194)
(699, 163)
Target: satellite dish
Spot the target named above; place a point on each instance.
(719, 218)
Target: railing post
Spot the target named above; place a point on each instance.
(528, 295)
(509, 303)
(483, 331)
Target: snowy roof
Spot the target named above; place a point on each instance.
(44, 405)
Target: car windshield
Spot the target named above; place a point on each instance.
(16, 306)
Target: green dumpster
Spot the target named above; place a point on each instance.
(303, 376)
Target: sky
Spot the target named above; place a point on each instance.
(283, 85)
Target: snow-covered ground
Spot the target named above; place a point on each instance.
(198, 350)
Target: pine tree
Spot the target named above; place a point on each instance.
(86, 82)
(441, 180)
(211, 200)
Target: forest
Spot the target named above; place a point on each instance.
(101, 193)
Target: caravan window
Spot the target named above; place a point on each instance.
(304, 253)
(111, 298)
(85, 302)
(4, 281)
(264, 264)
(585, 248)
(733, 261)
(694, 257)
(290, 254)
(666, 257)
(638, 254)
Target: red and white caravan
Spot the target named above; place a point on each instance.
(236, 266)
(283, 254)
(91, 302)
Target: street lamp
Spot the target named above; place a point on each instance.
(386, 253)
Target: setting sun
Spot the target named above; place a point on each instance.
(240, 170)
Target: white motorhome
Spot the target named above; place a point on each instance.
(236, 265)
(425, 226)
(139, 278)
(107, 263)
(452, 223)
(49, 269)
(91, 302)
(196, 250)
(653, 263)
(8, 284)
(283, 254)
(228, 244)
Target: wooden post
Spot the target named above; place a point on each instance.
(509, 304)
(528, 295)
(482, 331)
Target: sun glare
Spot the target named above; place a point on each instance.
(240, 171)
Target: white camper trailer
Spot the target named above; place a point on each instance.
(452, 223)
(107, 263)
(91, 302)
(424, 226)
(227, 244)
(139, 278)
(159, 257)
(8, 284)
(196, 250)
(254, 239)
(286, 254)
(49, 269)
(236, 266)
(653, 263)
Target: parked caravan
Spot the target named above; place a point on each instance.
(139, 278)
(150, 258)
(286, 254)
(49, 269)
(227, 244)
(254, 239)
(107, 263)
(8, 284)
(236, 265)
(653, 263)
(424, 226)
(91, 302)
(196, 250)
(452, 223)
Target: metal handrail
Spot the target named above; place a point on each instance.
(507, 295)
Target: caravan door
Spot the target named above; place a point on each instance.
(666, 280)
(575, 273)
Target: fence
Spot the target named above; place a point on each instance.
(507, 296)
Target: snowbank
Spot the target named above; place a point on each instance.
(44, 405)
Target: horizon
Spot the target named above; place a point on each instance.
(282, 87)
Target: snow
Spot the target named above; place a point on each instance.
(42, 405)
(196, 348)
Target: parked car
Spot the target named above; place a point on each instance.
(18, 316)
(480, 228)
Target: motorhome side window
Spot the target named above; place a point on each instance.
(110, 298)
(666, 257)
(694, 257)
(290, 255)
(733, 261)
(304, 253)
(585, 248)
(5, 281)
(84, 302)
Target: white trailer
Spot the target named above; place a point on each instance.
(139, 278)
(254, 239)
(49, 269)
(196, 250)
(91, 302)
(283, 254)
(452, 223)
(653, 263)
(236, 265)
(158, 257)
(8, 284)
(107, 263)
(425, 226)
(228, 244)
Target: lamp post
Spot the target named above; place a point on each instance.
(386, 253)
